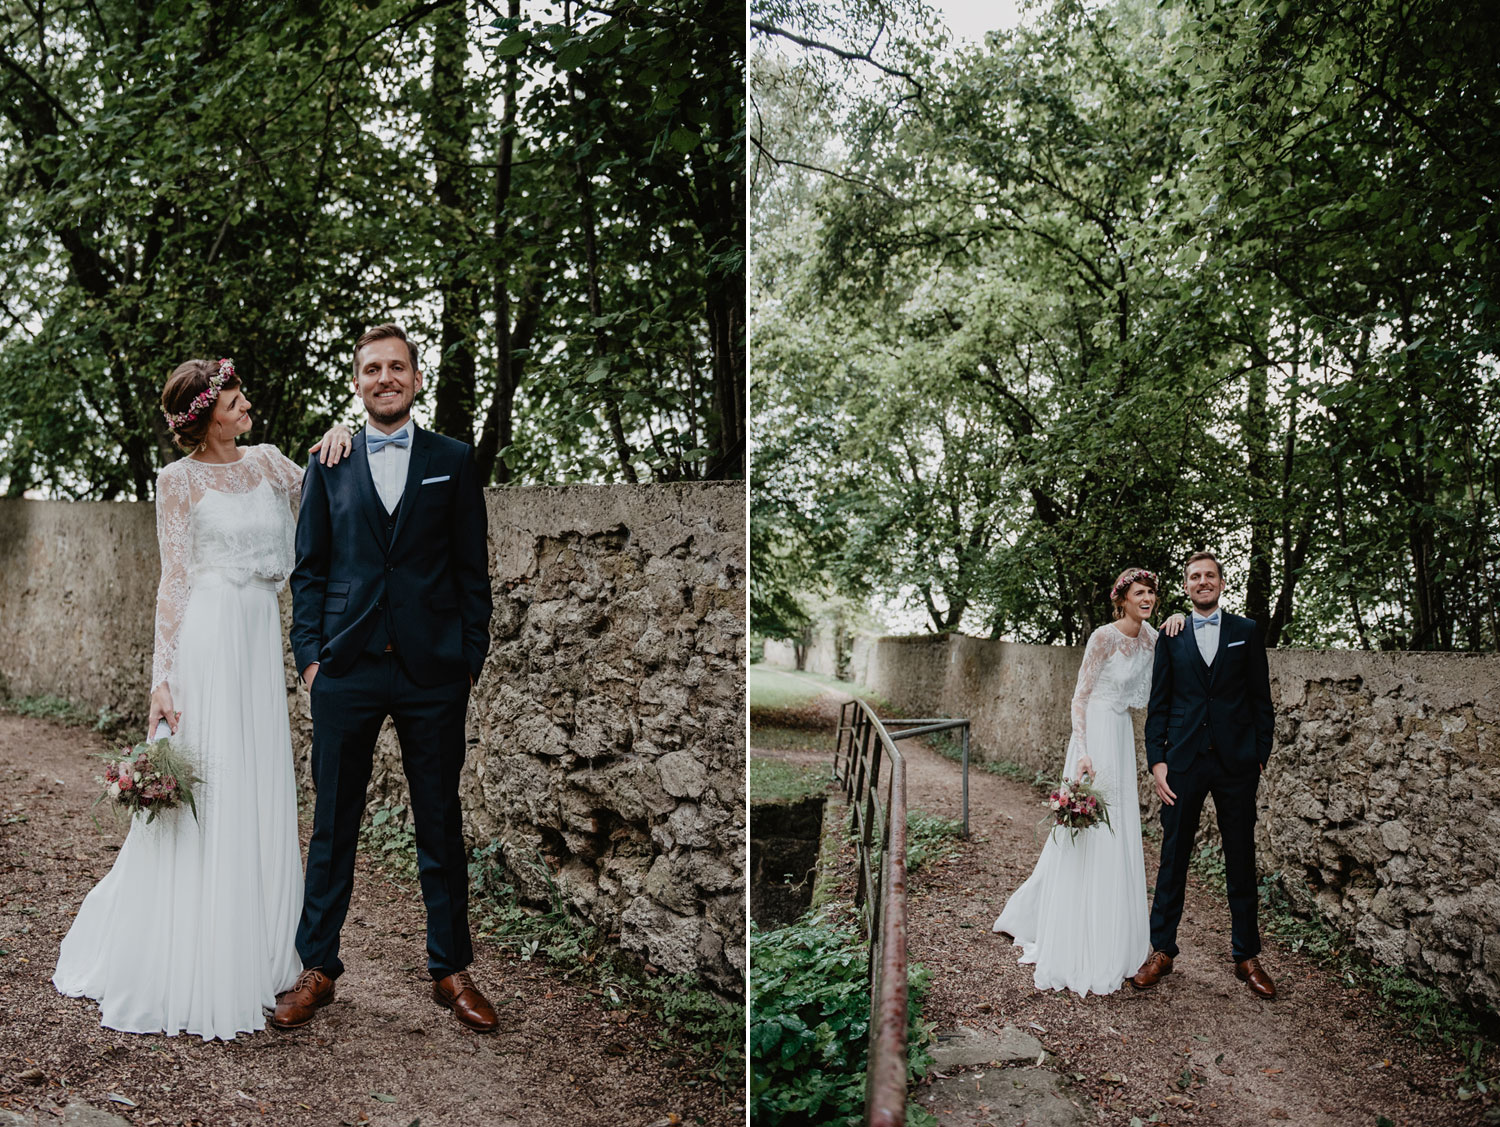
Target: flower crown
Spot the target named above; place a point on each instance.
(1123, 584)
(203, 398)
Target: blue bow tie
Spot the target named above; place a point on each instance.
(1211, 620)
(374, 440)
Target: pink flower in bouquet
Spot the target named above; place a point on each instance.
(125, 781)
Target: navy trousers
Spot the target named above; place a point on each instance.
(1234, 802)
(347, 714)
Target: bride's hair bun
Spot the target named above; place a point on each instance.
(187, 382)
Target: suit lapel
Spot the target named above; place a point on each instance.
(364, 484)
(416, 467)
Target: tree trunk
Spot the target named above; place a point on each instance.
(1257, 432)
(448, 126)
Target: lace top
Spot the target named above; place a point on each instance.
(1116, 672)
(234, 518)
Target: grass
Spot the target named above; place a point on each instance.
(780, 689)
(773, 688)
(63, 711)
(775, 780)
(792, 739)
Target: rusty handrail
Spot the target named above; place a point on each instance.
(882, 847)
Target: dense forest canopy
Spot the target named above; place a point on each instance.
(1130, 280)
(550, 198)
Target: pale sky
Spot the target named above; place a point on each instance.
(970, 19)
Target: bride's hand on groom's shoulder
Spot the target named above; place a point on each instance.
(1173, 625)
(333, 446)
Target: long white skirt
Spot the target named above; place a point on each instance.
(192, 929)
(1081, 916)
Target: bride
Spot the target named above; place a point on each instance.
(1081, 916)
(192, 928)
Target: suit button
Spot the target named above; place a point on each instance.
(390, 567)
(381, 606)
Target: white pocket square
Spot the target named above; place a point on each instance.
(433, 480)
(1231, 645)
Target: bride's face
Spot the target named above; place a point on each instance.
(231, 414)
(1140, 601)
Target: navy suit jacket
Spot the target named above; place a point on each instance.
(427, 578)
(1227, 705)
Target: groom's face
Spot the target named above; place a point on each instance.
(386, 381)
(1203, 585)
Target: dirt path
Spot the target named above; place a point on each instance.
(383, 1054)
(1199, 1047)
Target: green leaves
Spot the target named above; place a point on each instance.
(810, 1021)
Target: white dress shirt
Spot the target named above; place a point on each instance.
(1207, 637)
(388, 467)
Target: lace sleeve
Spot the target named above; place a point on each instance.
(1094, 657)
(174, 539)
(285, 474)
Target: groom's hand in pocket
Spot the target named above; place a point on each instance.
(1163, 792)
(309, 674)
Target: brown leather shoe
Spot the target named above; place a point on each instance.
(1253, 975)
(298, 1005)
(1156, 967)
(459, 994)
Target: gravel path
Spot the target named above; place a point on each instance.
(383, 1054)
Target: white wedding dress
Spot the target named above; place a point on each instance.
(192, 929)
(1081, 916)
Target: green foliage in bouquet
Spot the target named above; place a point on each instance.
(1075, 805)
(152, 776)
(810, 1024)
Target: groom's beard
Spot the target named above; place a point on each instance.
(394, 411)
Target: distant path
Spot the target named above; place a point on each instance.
(561, 1056)
(1198, 1048)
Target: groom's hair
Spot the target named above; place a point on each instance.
(384, 332)
(1194, 558)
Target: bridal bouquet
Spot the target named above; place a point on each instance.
(152, 776)
(1075, 806)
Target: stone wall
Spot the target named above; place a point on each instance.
(1380, 807)
(606, 734)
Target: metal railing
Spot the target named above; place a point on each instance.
(881, 834)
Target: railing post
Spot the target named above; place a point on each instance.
(965, 739)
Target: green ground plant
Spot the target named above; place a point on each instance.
(930, 838)
(810, 1023)
(695, 1021)
(63, 711)
(946, 745)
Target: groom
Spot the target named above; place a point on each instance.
(390, 617)
(1208, 731)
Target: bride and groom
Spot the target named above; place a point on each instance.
(204, 924)
(1081, 916)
